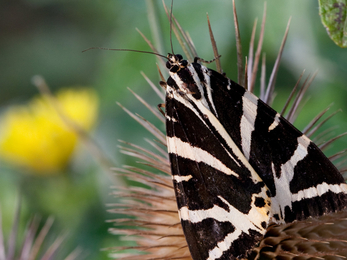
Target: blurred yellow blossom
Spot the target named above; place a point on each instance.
(37, 137)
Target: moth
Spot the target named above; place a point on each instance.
(238, 165)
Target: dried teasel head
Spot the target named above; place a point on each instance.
(32, 243)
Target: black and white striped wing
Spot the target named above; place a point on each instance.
(223, 204)
(302, 180)
(237, 164)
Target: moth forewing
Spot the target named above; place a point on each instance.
(237, 164)
(223, 204)
(302, 180)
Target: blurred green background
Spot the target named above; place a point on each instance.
(47, 37)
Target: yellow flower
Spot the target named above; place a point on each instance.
(37, 137)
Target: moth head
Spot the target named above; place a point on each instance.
(175, 62)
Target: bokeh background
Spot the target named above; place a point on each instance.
(47, 38)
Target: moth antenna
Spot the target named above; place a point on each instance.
(171, 28)
(108, 49)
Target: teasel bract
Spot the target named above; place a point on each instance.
(150, 218)
(35, 242)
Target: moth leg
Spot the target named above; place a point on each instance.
(163, 84)
(160, 106)
(197, 59)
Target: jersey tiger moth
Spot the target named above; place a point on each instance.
(238, 165)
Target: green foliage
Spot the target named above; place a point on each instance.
(334, 17)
